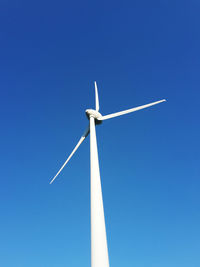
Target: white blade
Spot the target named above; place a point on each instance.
(76, 147)
(96, 97)
(129, 110)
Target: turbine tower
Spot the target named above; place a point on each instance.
(99, 249)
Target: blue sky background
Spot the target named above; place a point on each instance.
(139, 52)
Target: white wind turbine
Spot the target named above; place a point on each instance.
(99, 250)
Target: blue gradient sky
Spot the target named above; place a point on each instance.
(139, 52)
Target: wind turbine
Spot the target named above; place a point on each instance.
(99, 250)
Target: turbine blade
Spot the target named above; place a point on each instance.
(129, 110)
(74, 150)
(96, 97)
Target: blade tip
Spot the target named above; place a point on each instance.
(52, 180)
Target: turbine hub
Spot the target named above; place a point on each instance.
(95, 114)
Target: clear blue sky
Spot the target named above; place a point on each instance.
(139, 52)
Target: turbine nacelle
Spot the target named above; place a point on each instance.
(95, 114)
